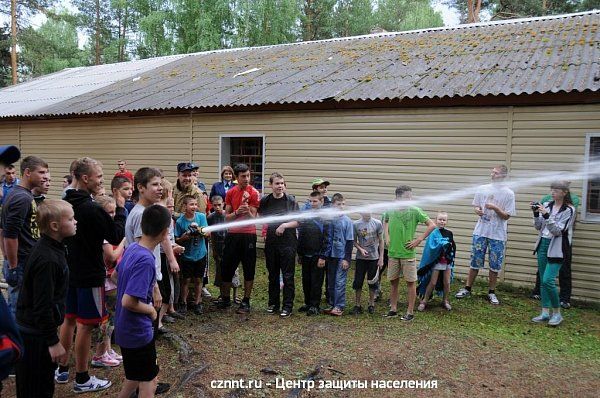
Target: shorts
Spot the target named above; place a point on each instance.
(406, 267)
(192, 269)
(441, 267)
(140, 364)
(164, 285)
(364, 267)
(239, 248)
(496, 253)
(87, 305)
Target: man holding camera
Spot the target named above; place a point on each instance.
(494, 204)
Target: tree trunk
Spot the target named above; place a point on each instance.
(470, 11)
(124, 33)
(473, 10)
(477, 11)
(97, 32)
(13, 40)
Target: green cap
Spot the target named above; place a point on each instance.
(319, 181)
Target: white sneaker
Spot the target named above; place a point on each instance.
(115, 355)
(555, 320)
(462, 293)
(206, 293)
(93, 384)
(61, 377)
(541, 318)
(493, 299)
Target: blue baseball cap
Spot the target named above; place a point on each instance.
(9, 154)
(186, 166)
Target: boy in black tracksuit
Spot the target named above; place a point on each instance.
(310, 240)
(41, 305)
(87, 271)
(280, 246)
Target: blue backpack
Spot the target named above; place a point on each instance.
(11, 346)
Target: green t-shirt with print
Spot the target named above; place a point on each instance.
(402, 227)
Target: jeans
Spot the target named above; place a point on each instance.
(281, 259)
(336, 282)
(13, 292)
(548, 272)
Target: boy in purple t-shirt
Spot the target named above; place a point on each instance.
(135, 312)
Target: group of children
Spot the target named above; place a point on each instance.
(162, 240)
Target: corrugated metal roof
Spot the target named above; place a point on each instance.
(539, 55)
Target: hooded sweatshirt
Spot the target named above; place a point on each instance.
(84, 250)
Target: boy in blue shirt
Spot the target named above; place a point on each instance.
(336, 253)
(188, 233)
(135, 312)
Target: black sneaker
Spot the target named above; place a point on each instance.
(198, 309)
(183, 311)
(565, 304)
(407, 317)
(272, 309)
(371, 309)
(223, 304)
(285, 313)
(391, 314)
(244, 308)
(312, 311)
(161, 388)
(356, 310)
(176, 315)
(304, 308)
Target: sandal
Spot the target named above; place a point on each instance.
(446, 305)
(336, 312)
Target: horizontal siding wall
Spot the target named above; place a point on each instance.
(9, 133)
(553, 139)
(365, 154)
(149, 141)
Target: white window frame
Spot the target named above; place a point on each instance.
(248, 135)
(585, 216)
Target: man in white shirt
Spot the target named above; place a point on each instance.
(494, 204)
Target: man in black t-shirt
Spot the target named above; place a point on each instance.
(18, 223)
(280, 245)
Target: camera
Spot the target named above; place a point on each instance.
(534, 206)
(194, 229)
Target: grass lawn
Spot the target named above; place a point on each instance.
(474, 350)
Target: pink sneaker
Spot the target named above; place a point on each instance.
(115, 355)
(104, 361)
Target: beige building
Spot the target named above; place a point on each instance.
(434, 109)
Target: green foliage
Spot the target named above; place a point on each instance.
(399, 15)
(317, 19)
(353, 17)
(266, 22)
(155, 21)
(202, 25)
(4, 55)
(52, 47)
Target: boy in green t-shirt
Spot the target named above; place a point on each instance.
(400, 227)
